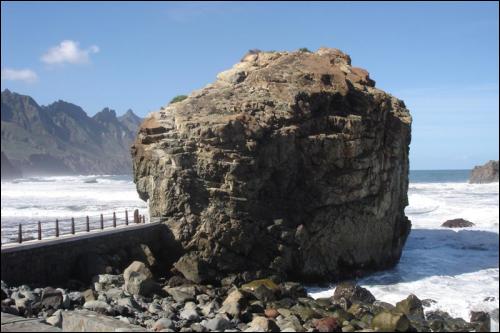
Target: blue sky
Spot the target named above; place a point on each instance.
(440, 58)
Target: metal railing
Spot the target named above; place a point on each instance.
(70, 226)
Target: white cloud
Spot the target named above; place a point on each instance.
(25, 75)
(68, 51)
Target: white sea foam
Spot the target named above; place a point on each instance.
(29, 200)
(458, 268)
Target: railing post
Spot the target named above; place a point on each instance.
(57, 228)
(72, 225)
(102, 222)
(88, 224)
(126, 217)
(136, 216)
(39, 230)
(114, 220)
(143, 219)
(20, 234)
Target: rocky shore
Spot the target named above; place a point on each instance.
(482, 174)
(240, 303)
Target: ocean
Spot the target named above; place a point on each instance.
(458, 268)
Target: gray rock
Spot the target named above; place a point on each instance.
(219, 323)
(162, 324)
(487, 173)
(233, 304)
(98, 306)
(55, 319)
(189, 312)
(181, 294)
(262, 324)
(52, 298)
(457, 223)
(302, 137)
(210, 307)
(138, 280)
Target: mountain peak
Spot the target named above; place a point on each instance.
(106, 115)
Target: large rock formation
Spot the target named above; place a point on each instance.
(487, 173)
(290, 163)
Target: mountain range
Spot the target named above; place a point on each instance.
(61, 139)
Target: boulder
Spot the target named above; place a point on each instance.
(52, 298)
(98, 306)
(347, 293)
(138, 280)
(234, 303)
(189, 312)
(487, 173)
(302, 138)
(218, 323)
(262, 324)
(162, 324)
(457, 223)
(481, 320)
(411, 306)
(264, 289)
(328, 324)
(389, 321)
(181, 294)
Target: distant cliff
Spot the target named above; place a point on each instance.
(62, 139)
(8, 170)
(487, 173)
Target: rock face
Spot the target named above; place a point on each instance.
(291, 161)
(487, 173)
(62, 139)
(8, 170)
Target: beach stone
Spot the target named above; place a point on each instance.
(289, 323)
(302, 137)
(181, 294)
(88, 295)
(234, 303)
(210, 307)
(51, 298)
(328, 324)
(347, 293)
(162, 324)
(271, 313)
(411, 306)
(262, 324)
(138, 280)
(55, 319)
(98, 306)
(391, 322)
(457, 223)
(219, 323)
(264, 289)
(189, 312)
(481, 320)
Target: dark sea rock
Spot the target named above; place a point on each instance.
(291, 163)
(457, 223)
(487, 173)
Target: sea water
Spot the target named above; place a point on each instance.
(458, 268)
(29, 200)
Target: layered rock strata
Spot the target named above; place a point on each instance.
(291, 163)
(487, 173)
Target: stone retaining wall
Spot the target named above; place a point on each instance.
(56, 261)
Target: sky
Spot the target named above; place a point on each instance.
(440, 58)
